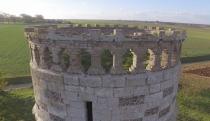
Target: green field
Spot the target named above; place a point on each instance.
(14, 54)
(197, 46)
(13, 51)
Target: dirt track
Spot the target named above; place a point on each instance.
(201, 72)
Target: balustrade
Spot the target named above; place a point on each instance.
(48, 54)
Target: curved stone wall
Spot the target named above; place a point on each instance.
(66, 91)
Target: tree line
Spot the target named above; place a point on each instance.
(25, 18)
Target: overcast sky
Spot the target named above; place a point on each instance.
(187, 11)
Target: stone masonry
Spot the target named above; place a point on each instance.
(64, 91)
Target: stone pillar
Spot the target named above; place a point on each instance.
(140, 54)
(56, 60)
(43, 64)
(174, 54)
(75, 62)
(96, 67)
(117, 67)
(157, 53)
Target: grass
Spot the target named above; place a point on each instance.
(16, 105)
(194, 95)
(14, 57)
(197, 43)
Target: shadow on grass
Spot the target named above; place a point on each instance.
(15, 108)
(185, 60)
(18, 80)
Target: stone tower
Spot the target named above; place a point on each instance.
(67, 88)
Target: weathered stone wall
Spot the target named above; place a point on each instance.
(142, 93)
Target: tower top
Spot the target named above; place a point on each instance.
(103, 33)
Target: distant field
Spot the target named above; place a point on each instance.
(197, 43)
(14, 52)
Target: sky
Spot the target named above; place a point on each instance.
(184, 11)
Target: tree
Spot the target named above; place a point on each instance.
(27, 18)
(1, 18)
(39, 18)
(13, 18)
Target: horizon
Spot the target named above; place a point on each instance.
(177, 11)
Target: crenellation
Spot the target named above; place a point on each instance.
(65, 32)
(74, 81)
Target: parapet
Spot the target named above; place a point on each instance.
(48, 43)
(104, 73)
(85, 33)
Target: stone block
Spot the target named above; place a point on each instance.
(77, 112)
(154, 88)
(168, 91)
(151, 111)
(141, 90)
(54, 96)
(123, 92)
(104, 92)
(128, 101)
(77, 104)
(164, 112)
(71, 96)
(90, 81)
(72, 88)
(113, 81)
(154, 77)
(166, 84)
(136, 80)
(71, 80)
(154, 98)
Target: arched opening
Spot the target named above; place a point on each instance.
(85, 59)
(106, 60)
(150, 62)
(129, 60)
(164, 58)
(37, 55)
(47, 57)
